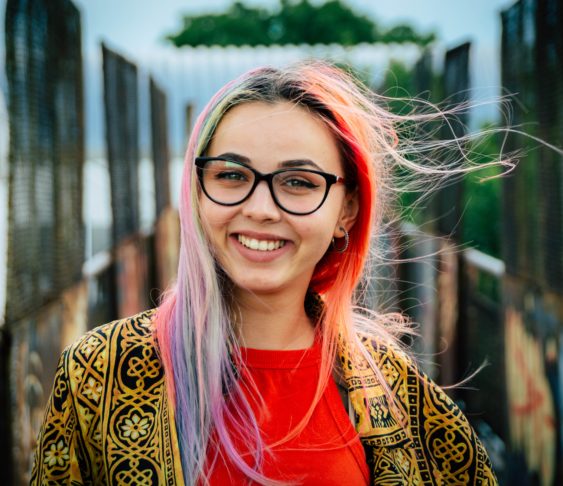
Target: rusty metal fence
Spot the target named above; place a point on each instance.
(468, 301)
(53, 295)
(121, 101)
(448, 201)
(46, 155)
(549, 108)
(45, 231)
(532, 71)
(160, 152)
(508, 313)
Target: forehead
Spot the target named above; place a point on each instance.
(271, 133)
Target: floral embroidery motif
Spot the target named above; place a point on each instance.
(135, 426)
(92, 389)
(129, 437)
(115, 431)
(57, 454)
(390, 373)
(90, 345)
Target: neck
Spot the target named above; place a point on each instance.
(273, 321)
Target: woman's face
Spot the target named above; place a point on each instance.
(267, 137)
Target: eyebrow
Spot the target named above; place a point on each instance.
(293, 163)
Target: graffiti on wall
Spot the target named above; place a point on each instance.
(531, 405)
(448, 314)
(36, 345)
(167, 242)
(132, 277)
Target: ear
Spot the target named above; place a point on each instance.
(348, 213)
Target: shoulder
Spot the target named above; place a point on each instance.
(137, 326)
(109, 369)
(109, 391)
(117, 334)
(114, 357)
(388, 354)
(443, 444)
(415, 396)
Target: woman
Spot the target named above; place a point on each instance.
(256, 366)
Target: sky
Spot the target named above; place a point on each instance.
(139, 25)
(136, 29)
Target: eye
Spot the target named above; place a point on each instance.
(227, 173)
(298, 182)
(230, 175)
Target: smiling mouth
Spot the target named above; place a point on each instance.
(260, 245)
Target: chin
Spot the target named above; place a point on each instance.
(260, 283)
(257, 287)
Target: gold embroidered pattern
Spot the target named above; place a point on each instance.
(108, 420)
(435, 446)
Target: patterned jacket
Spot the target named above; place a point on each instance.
(109, 421)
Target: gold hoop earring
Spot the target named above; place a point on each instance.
(346, 241)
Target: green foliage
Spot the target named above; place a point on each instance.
(239, 25)
(481, 226)
(294, 22)
(398, 86)
(402, 83)
(405, 33)
(482, 219)
(482, 212)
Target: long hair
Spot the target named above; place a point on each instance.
(195, 338)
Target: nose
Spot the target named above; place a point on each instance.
(260, 206)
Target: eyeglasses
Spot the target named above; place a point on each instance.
(296, 191)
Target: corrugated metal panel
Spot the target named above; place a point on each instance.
(160, 153)
(122, 138)
(448, 201)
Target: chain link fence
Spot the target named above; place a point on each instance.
(46, 155)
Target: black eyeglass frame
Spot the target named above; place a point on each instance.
(330, 179)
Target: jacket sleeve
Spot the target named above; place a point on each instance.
(449, 441)
(443, 443)
(60, 453)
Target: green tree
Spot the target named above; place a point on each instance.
(398, 83)
(405, 33)
(293, 22)
(481, 226)
(482, 220)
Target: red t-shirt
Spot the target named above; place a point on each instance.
(327, 452)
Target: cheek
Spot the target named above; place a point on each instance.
(327, 218)
(214, 218)
(318, 232)
(212, 213)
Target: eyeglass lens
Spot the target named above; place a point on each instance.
(298, 191)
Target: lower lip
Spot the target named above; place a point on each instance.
(257, 255)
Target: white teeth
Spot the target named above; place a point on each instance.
(260, 245)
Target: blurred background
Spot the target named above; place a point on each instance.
(97, 100)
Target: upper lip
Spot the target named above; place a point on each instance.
(259, 236)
